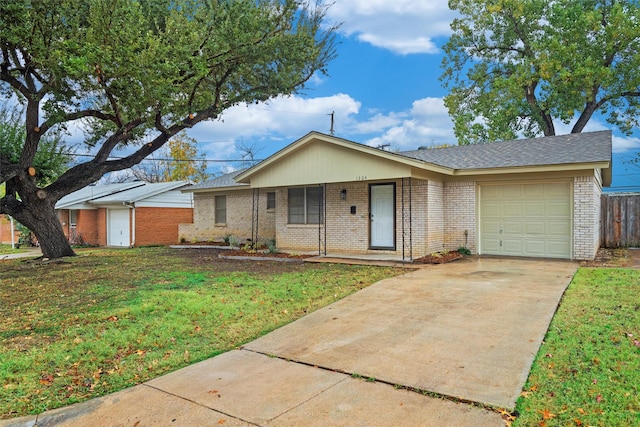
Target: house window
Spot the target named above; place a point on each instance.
(73, 218)
(305, 205)
(271, 200)
(221, 209)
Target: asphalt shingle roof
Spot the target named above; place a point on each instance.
(226, 180)
(553, 150)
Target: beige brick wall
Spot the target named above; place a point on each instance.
(586, 217)
(460, 215)
(435, 219)
(349, 233)
(239, 218)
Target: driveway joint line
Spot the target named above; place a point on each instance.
(351, 375)
(198, 404)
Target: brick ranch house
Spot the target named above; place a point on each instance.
(534, 198)
(126, 214)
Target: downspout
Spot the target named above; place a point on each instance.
(132, 235)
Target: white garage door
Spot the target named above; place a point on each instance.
(531, 220)
(118, 227)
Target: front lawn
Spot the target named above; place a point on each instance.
(587, 372)
(109, 319)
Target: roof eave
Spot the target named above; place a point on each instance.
(605, 165)
(217, 189)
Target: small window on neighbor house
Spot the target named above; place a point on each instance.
(221, 209)
(271, 200)
(305, 205)
(73, 218)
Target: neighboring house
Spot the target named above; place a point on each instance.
(535, 198)
(126, 214)
(6, 230)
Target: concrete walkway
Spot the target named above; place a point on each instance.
(466, 331)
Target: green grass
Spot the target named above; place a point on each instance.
(6, 249)
(109, 319)
(587, 372)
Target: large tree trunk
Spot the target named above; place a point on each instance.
(48, 231)
(42, 220)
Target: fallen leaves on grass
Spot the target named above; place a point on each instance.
(546, 414)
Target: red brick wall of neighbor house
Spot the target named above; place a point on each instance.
(5, 231)
(87, 227)
(159, 226)
(101, 227)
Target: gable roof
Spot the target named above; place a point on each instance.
(142, 192)
(593, 147)
(313, 136)
(127, 192)
(226, 180)
(92, 192)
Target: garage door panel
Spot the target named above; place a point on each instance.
(512, 209)
(535, 228)
(512, 228)
(535, 209)
(535, 247)
(492, 209)
(492, 245)
(491, 193)
(559, 190)
(560, 209)
(512, 192)
(535, 219)
(512, 246)
(533, 192)
(557, 248)
(558, 228)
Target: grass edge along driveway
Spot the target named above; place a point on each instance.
(109, 319)
(587, 371)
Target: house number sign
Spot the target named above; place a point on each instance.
(361, 178)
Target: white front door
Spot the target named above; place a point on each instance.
(383, 233)
(118, 227)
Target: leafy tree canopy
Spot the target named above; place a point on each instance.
(50, 161)
(128, 70)
(514, 67)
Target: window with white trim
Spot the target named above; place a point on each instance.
(305, 205)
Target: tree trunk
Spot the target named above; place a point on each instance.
(43, 221)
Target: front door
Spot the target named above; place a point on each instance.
(383, 212)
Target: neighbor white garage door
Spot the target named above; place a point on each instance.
(118, 227)
(526, 219)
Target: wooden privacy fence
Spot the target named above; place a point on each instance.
(620, 226)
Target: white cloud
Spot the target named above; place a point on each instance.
(427, 123)
(269, 126)
(619, 144)
(401, 26)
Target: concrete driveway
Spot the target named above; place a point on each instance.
(467, 331)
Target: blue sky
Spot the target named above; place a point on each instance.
(383, 88)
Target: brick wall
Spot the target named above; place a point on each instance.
(586, 217)
(101, 225)
(86, 230)
(5, 231)
(435, 217)
(159, 226)
(86, 226)
(460, 215)
(239, 217)
(349, 233)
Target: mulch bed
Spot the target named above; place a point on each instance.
(439, 258)
(241, 253)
